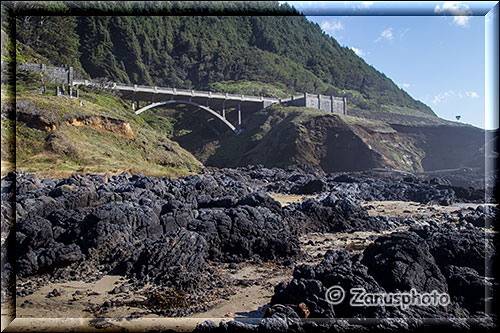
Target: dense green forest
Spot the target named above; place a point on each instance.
(198, 51)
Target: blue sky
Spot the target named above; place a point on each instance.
(437, 58)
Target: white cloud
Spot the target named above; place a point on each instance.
(461, 20)
(471, 94)
(452, 94)
(405, 85)
(386, 34)
(461, 12)
(359, 52)
(367, 3)
(332, 27)
(442, 96)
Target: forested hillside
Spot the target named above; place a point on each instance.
(286, 51)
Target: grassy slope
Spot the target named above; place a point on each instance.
(86, 149)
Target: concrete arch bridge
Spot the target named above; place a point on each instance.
(215, 103)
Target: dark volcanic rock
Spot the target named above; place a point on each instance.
(176, 258)
(162, 231)
(236, 234)
(403, 261)
(345, 179)
(467, 247)
(483, 216)
(397, 262)
(32, 234)
(40, 206)
(258, 199)
(344, 214)
(8, 282)
(310, 284)
(46, 259)
(69, 225)
(126, 222)
(27, 184)
(206, 326)
(440, 181)
(311, 187)
(468, 287)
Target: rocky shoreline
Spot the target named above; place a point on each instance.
(175, 240)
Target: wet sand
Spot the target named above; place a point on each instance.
(411, 209)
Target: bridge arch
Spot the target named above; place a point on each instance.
(205, 108)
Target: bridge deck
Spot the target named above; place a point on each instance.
(140, 93)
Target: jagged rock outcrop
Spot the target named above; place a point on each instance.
(165, 232)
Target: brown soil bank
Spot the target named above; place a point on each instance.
(286, 136)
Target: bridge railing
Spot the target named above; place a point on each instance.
(182, 92)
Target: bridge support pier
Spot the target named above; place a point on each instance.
(224, 109)
(239, 114)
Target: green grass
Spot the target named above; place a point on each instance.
(89, 149)
(97, 151)
(375, 126)
(8, 145)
